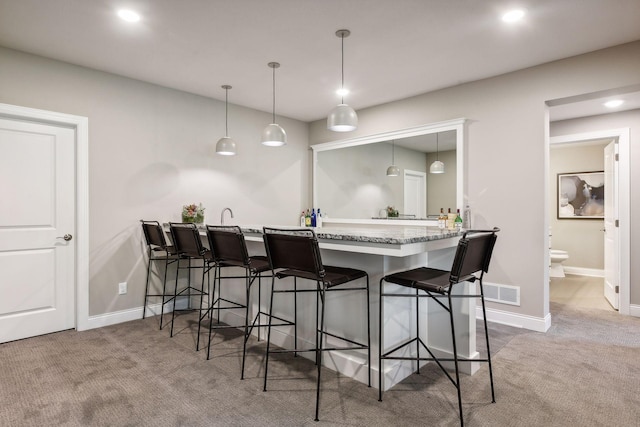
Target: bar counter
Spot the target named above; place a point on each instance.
(379, 251)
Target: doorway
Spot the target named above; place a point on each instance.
(415, 193)
(618, 251)
(44, 249)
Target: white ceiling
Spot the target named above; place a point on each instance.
(397, 48)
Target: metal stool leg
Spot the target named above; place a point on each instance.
(266, 360)
(486, 334)
(319, 341)
(246, 321)
(368, 334)
(455, 359)
(380, 343)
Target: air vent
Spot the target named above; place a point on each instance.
(504, 294)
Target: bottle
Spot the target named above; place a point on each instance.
(319, 219)
(447, 221)
(302, 220)
(307, 219)
(466, 221)
(451, 217)
(313, 217)
(458, 221)
(441, 220)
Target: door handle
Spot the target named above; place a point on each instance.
(66, 237)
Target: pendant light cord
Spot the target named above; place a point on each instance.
(274, 94)
(226, 112)
(393, 152)
(437, 148)
(342, 49)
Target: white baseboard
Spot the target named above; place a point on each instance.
(128, 315)
(580, 271)
(538, 324)
(634, 310)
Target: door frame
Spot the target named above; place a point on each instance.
(81, 126)
(624, 213)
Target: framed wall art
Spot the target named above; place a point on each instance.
(581, 195)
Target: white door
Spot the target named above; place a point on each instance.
(415, 193)
(37, 261)
(611, 230)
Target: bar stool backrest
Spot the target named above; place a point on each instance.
(153, 234)
(186, 239)
(228, 245)
(473, 254)
(295, 249)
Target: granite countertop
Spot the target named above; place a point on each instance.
(397, 235)
(392, 236)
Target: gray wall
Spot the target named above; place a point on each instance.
(507, 173)
(150, 152)
(626, 119)
(581, 238)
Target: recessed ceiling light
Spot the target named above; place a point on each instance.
(513, 15)
(128, 15)
(343, 91)
(613, 103)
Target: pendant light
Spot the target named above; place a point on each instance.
(226, 146)
(437, 166)
(342, 118)
(273, 135)
(393, 170)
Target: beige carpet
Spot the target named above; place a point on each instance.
(583, 372)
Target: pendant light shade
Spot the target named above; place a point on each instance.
(226, 146)
(274, 135)
(393, 170)
(342, 118)
(437, 166)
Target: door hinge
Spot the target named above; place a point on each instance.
(617, 157)
(617, 223)
(617, 289)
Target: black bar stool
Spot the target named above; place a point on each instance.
(158, 250)
(230, 250)
(472, 257)
(295, 253)
(188, 246)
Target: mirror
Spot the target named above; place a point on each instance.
(350, 176)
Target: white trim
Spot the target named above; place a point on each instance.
(81, 126)
(538, 324)
(624, 202)
(634, 310)
(581, 271)
(115, 317)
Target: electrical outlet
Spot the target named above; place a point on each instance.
(122, 288)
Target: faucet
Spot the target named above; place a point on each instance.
(222, 215)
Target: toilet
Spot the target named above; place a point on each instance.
(557, 257)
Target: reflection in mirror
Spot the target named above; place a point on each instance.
(350, 180)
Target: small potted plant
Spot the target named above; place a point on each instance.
(193, 213)
(392, 212)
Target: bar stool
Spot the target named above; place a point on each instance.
(158, 250)
(188, 246)
(472, 257)
(230, 250)
(295, 253)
